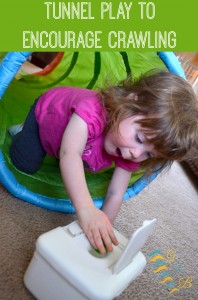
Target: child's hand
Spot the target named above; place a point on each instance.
(97, 228)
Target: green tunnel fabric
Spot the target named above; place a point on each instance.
(86, 69)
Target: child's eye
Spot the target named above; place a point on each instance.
(149, 155)
(138, 139)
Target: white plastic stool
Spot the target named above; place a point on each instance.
(66, 267)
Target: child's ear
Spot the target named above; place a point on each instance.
(132, 96)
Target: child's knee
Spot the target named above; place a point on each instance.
(21, 165)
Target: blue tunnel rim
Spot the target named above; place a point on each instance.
(18, 190)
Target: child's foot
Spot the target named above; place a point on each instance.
(13, 130)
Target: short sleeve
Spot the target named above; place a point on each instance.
(93, 113)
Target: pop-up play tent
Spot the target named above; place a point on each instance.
(18, 90)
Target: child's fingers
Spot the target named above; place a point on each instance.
(91, 240)
(113, 238)
(99, 241)
(102, 240)
(109, 238)
(96, 241)
(106, 240)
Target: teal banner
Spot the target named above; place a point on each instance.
(37, 25)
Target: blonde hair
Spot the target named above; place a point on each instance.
(170, 108)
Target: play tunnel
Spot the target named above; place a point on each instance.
(24, 76)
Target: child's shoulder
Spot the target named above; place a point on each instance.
(72, 89)
(71, 96)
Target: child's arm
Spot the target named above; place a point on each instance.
(93, 221)
(115, 192)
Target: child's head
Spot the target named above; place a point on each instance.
(169, 107)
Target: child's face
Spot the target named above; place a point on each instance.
(129, 142)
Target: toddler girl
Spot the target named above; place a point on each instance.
(148, 121)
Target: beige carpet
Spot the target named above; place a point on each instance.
(172, 198)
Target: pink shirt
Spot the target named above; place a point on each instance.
(53, 112)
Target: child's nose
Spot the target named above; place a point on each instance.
(136, 153)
